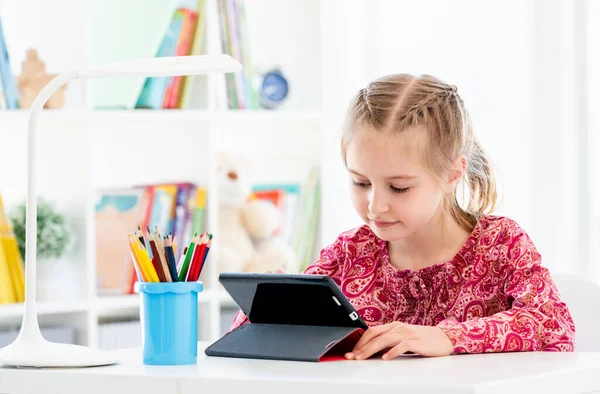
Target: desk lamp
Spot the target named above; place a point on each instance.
(30, 348)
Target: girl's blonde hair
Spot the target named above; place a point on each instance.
(398, 102)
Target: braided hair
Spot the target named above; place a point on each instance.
(399, 102)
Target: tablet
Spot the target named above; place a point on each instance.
(294, 299)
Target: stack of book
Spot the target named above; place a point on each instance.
(241, 93)
(184, 37)
(174, 209)
(12, 287)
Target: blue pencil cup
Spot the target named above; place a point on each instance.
(169, 319)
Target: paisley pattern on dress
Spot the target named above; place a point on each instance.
(493, 296)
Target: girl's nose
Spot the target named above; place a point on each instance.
(378, 203)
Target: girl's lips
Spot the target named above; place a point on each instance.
(382, 224)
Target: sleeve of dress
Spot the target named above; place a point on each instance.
(538, 319)
(329, 263)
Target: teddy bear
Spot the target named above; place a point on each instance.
(246, 227)
(32, 80)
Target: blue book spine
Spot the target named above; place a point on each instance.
(9, 83)
(2, 97)
(153, 92)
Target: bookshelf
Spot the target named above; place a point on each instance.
(77, 153)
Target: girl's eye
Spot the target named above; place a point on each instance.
(360, 184)
(399, 189)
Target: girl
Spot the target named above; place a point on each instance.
(426, 274)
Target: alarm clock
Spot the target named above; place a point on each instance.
(273, 89)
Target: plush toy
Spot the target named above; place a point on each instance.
(246, 228)
(32, 80)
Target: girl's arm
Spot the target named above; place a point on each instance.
(538, 319)
(328, 264)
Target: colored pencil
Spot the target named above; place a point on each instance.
(197, 260)
(208, 245)
(154, 256)
(145, 263)
(136, 263)
(187, 260)
(179, 264)
(145, 242)
(161, 254)
(171, 261)
(156, 260)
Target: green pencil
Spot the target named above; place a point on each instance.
(188, 258)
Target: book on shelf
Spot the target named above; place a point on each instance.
(194, 87)
(183, 37)
(285, 197)
(184, 34)
(12, 285)
(241, 93)
(173, 208)
(3, 104)
(124, 30)
(299, 208)
(9, 92)
(305, 229)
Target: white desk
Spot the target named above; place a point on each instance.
(486, 373)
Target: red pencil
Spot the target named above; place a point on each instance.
(197, 260)
(208, 245)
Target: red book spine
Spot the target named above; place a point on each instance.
(184, 48)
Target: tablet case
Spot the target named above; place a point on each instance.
(292, 317)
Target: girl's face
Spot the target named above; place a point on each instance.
(391, 189)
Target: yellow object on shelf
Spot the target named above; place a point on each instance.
(12, 287)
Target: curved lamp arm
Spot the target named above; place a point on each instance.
(30, 348)
(31, 206)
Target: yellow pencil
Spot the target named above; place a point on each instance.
(152, 275)
(136, 260)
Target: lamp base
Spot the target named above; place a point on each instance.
(40, 354)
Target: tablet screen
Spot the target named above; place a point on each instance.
(291, 299)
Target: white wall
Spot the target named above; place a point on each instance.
(516, 65)
(593, 65)
(484, 49)
(468, 45)
(344, 70)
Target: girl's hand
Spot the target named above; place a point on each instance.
(398, 338)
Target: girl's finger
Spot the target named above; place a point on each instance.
(378, 344)
(401, 348)
(372, 333)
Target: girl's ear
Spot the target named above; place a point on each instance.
(456, 172)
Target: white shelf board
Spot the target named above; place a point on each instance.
(11, 311)
(227, 116)
(105, 306)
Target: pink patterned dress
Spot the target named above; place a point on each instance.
(493, 296)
